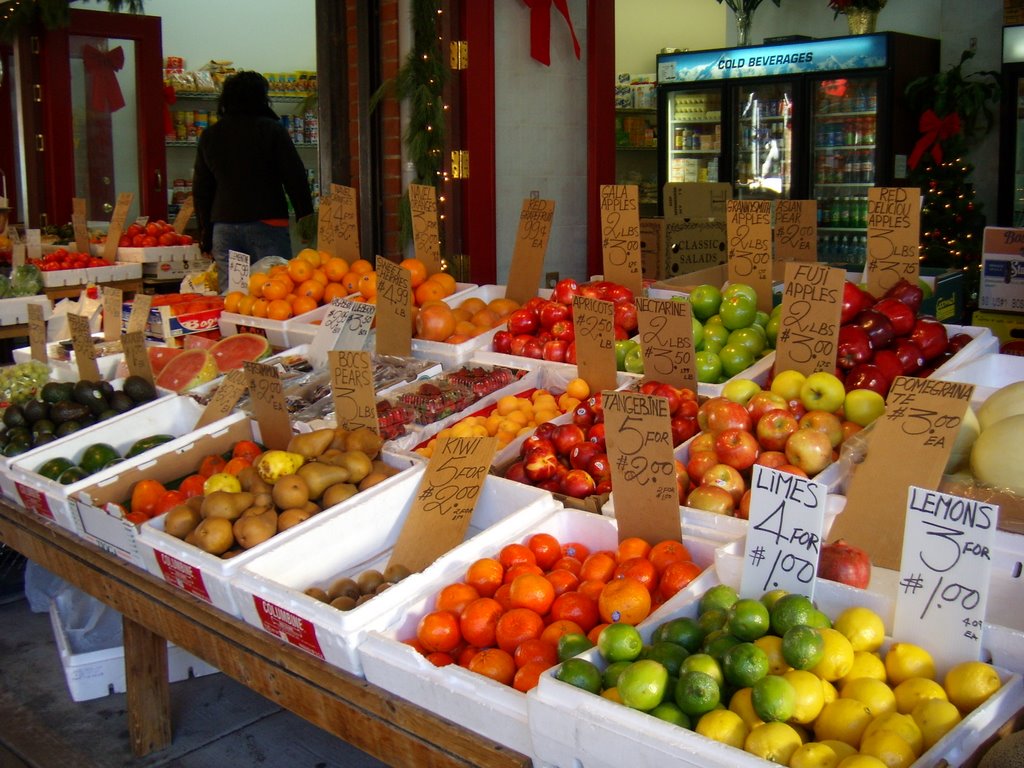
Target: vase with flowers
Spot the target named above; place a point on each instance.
(744, 12)
(861, 15)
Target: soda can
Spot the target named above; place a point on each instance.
(312, 128)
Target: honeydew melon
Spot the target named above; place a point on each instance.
(995, 456)
(1005, 401)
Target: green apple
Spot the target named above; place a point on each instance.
(716, 333)
(622, 348)
(762, 318)
(772, 329)
(822, 391)
(698, 332)
(712, 345)
(736, 359)
(709, 367)
(749, 338)
(739, 289)
(634, 362)
(704, 299)
(788, 384)
(738, 312)
(715, 319)
(740, 390)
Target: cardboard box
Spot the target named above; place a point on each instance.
(1008, 328)
(694, 226)
(1002, 270)
(162, 323)
(652, 247)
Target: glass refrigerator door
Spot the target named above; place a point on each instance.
(764, 141)
(1018, 169)
(844, 158)
(694, 134)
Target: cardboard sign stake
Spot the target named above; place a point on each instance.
(224, 400)
(184, 214)
(394, 300)
(269, 405)
(117, 220)
(620, 236)
(425, 233)
(239, 268)
(113, 301)
(85, 350)
(355, 402)
(894, 237)
(809, 324)
(37, 333)
(139, 315)
(796, 230)
(79, 224)
(529, 249)
(134, 345)
(595, 341)
(749, 232)
(666, 337)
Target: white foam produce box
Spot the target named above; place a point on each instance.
(983, 341)
(67, 370)
(14, 311)
(988, 372)
(274, 331)
(61, 278)
(572, 728)
(480, 704)
(269, 589)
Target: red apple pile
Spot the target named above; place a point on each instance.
(885, 338)
(571, 458)
(543, 328)
(845, 563)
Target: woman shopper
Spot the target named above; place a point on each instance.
(245, 164)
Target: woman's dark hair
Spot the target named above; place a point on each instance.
(245, 93)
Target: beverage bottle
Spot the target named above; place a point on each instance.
(844, 212)
(862, 250)
(869, 131)
(864, 214)
(867, 171)
(848, 133)
(826, 212)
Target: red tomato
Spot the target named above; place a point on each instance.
(153, 229)
(192, 486)
(145, 496)
(133, 230)
(184, 239)
(246, 449)
(169, 500)
(137, 240)
(236, 465)
(125, 241)
(211, 465)
(168, 238)
(149, 241)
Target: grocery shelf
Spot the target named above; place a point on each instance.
(205, 96)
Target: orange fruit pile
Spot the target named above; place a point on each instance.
(439, 320)
(507, 616)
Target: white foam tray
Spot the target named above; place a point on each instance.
(987, 373)
(67, 370)
(983, 342)
(14, 311)
(274, 331)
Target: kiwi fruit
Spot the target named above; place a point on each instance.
(317, 594)
(343, 586)
(364, 598)
(395, 572)
(369, 580)
(382, 586)
(344, 603)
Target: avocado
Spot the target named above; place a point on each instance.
(146, 443)
(106, 388)
(16, 448)
(87, 394)
(55, 391)
(68, 411)
(96, 456)
(66, 428)
(107, 414)
(14, 416)
(120, 402)
(19, 433)
(35, 410)
(42, 439)
(139, 389)
(53, 468)
(72, 475)
(112, 462)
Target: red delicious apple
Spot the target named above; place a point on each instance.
(539, 465)
(930, 336)
(617, 293)
(958, 341)
(564, 290)
(552, 312)
(867, 376)
(900, 315)
(737, 448)
(518, 343)
(699, 463)
(578, 483)
(554, 350)
(772, 459)
(908, 293)
(852, 346)
(762, 402)
(809, 450)
(878, 327)
(910, 356)
(711, 498)
(845, 563)
(774, 429)
(853, 302)
(534, 349)
(826, 422)
(522, 321)
(727, 478)
(502, 342)
(570, 353)
(564, 330)
(581, 454)
(566, 436)
(889, 362)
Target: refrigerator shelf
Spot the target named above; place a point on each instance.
(865, 184)
(830, 228)
(696, 151)
(826, 147)
(767, 119)
(827, 115)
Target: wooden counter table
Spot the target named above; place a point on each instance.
(379, 723)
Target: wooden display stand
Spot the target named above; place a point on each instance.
(74, 291)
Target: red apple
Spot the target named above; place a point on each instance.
(711, 498)
(583, 415)
(705, 441)
(850, 429)
(826, 422)
(852, 346)
(552, 312)
(671, 394)
(617, 293)
(538, 440)
(809, 450)
(564, 290)
(908, 293)
(599, 467)
(625, 315)
(867, 376)
(792, 469)
(762, 402)
(545, 429)
(554, 350)
(518, 343)
(958, 341)
(797, 408)
(743, 510)
(516, 471)
(522, 321)
(910, 356)
(502, 342)
(930, 336)
(720, 413)
(736, 448)
(570, 353)
(878, 327)
(900, 315)
(564, 330)
(772, 459)
(889, 362)
(699, 463)
(775, 427)
(853, 302)
(534, 349)
(683, 428)
(727, 478)
(844, 563)
(566, 436)
(578, 483)
(595, 433)
(540, 464)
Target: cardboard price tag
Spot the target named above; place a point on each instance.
(355, 401)
(426, 240)
(910, 445)
(79, 223)
(113, 303)
(139, 315)
(185, 212)
(796, 230)
(394, 302)
(445, 501)
(784, 533)
(37, 333)
(116, 228)
(944, 575)
(268, 405)
(620, 236)
(85, 350)
(809, 324)
(529, 249)
(748, 227)
(643, 467)
(239, 267)
(224, 400)
(894, 237)
(666, 337)
(345, 326)
(135, 354)
(594, 321)
(338, 223)
(34, 243)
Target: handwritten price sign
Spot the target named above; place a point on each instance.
(345, 326)
(894, 236)
(748, 226)
(944, 574)
(238, 271)
(268, 405)
(666, 337)
(796, 230)
(426, 240)
(594, 321)
(809, 324)
(529, 249)
(355, 402)
(784, 532)
(394, 303)
(620, 235)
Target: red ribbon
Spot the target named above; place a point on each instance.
(102, 67)
(936, 130)
(540, 28)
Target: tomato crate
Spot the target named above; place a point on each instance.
(159, 254)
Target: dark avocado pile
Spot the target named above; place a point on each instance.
(94, 458)
(67, 407)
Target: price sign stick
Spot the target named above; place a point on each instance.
(113, 304)
(184, 214)
(530, 247)
(135, 354)
(594, 320)
(425, 238)
(809, 323)
(239, 266)
(666, 337)
(224, 400)
(139, 315)
(269, 405)
(37, 333)
(79, 224)
(117, 221)
(355, 402)
(394, 303)
(345, 326)
(796, 230)
(85, 350)
(894, 237)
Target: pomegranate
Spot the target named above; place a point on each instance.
(844, 563)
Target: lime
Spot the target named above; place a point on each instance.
(610, 678)
(702, 662)
(642, 684)
(790, 611)
(97, 456)
(819, 620)
(697, 693)
(620, 642)
(580, 673)
(774, 698)
(670, 712)
(718, 642)
(712, 619)
(682, 631)
(748, 619)
(744, 664)
(802, 647)
(720, 596)
(669, 655)
(572, 644)
(771, 598)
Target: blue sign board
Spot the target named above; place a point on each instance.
(811, 56)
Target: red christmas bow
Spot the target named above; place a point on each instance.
(102, 66)
(936, 130)
(540, 28)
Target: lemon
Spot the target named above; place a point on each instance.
(906, 660)
(935, 718)
(772, 646)
(742, 704)
(970, 683)
(841, 748)
(776, 742)
(861, 761)
(865, 664)
(725, 726)
(888, 747)
(814, 755)
(902, 725)
(876, 695)
(829, 690)
(862, 627)
(843, 720)
(810, 697)
(837, 658)
(913, 691)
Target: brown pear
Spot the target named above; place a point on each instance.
(291, 491)
(319, 477)
(311, 444)
(338, 493)
(227, 505)
(180, 521)
(291, 517)
(255, 529)
(213, 535)
(340, 435)
(364, 439)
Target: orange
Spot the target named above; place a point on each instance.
(274, 289)
(624, 600)
(515, 626)
(257, 281)
(334, 291)
(278, 270)
(245, 305)
(485, 319)
(434, 323)
(368, 284)
(439, 631)
(535, 650)
(533, 591)
(632, 546)
(503, 307)
(568, 564)
(466, 654)
(429, 290)
(335, 268)
(593, 634)
(351, 281)
(310, 255)
(311, 288)
(639, 568)
(546, 549)
(575, 607)
(600, 566)
(501, 595)
(560, 627)
(676, 576)
(478, 621)
(439, 659)
(472, 305)
(528, 675)
(516, 554)
(563, 581)
(667, 551)
(260, 307)
(576, 549)
(282, 277)
(494, 663)
(279, 309)
(446, 281)
(486, 575)
(360, 266)
(320, 276)
(591, 588)
(300, 270)
(303, 304)
(455, 597)
(521, 569)
(231, 301)
(465, 329)
(417, 269)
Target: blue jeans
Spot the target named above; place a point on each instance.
(255, 238)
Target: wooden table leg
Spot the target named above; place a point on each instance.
(147, 689)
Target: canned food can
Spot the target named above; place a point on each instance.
(312, 128)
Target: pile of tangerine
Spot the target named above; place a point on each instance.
(505, 619)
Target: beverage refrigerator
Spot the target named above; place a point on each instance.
(1010, 205)
(805, 119)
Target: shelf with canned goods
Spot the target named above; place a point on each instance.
(213, 96)
(850, 147)
(844, 184)
(696, 151)
(299, 144)
(857, 113)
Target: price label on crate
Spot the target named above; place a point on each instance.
(944, 574)
(909, 445)
(139, 315)
(426, 241)
(529, 249)
(113, 302)
(666, 338)
(224, 400)
(116, 228)
(355, 401)
(135, 354)
(239, 266)
(748, 232)
(268, 405)
(188, 207)
(783, 532)
(337, 224)
(37, 333)
(620, 236)
(345, 326)
(808, 335)
(394, 305)
(85, 350)
(894, 237)
(80, 225)
(796, 230)
(643, 468)
(445, 500)
(594, 320)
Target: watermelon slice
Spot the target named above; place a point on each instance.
(188, 370)
(158, 359)
(231, 353)
(199, 341)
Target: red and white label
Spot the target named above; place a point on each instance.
(287, 626)
(253, 329)
(182, 575)
(34, 500)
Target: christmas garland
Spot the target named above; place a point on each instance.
(19, 15)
